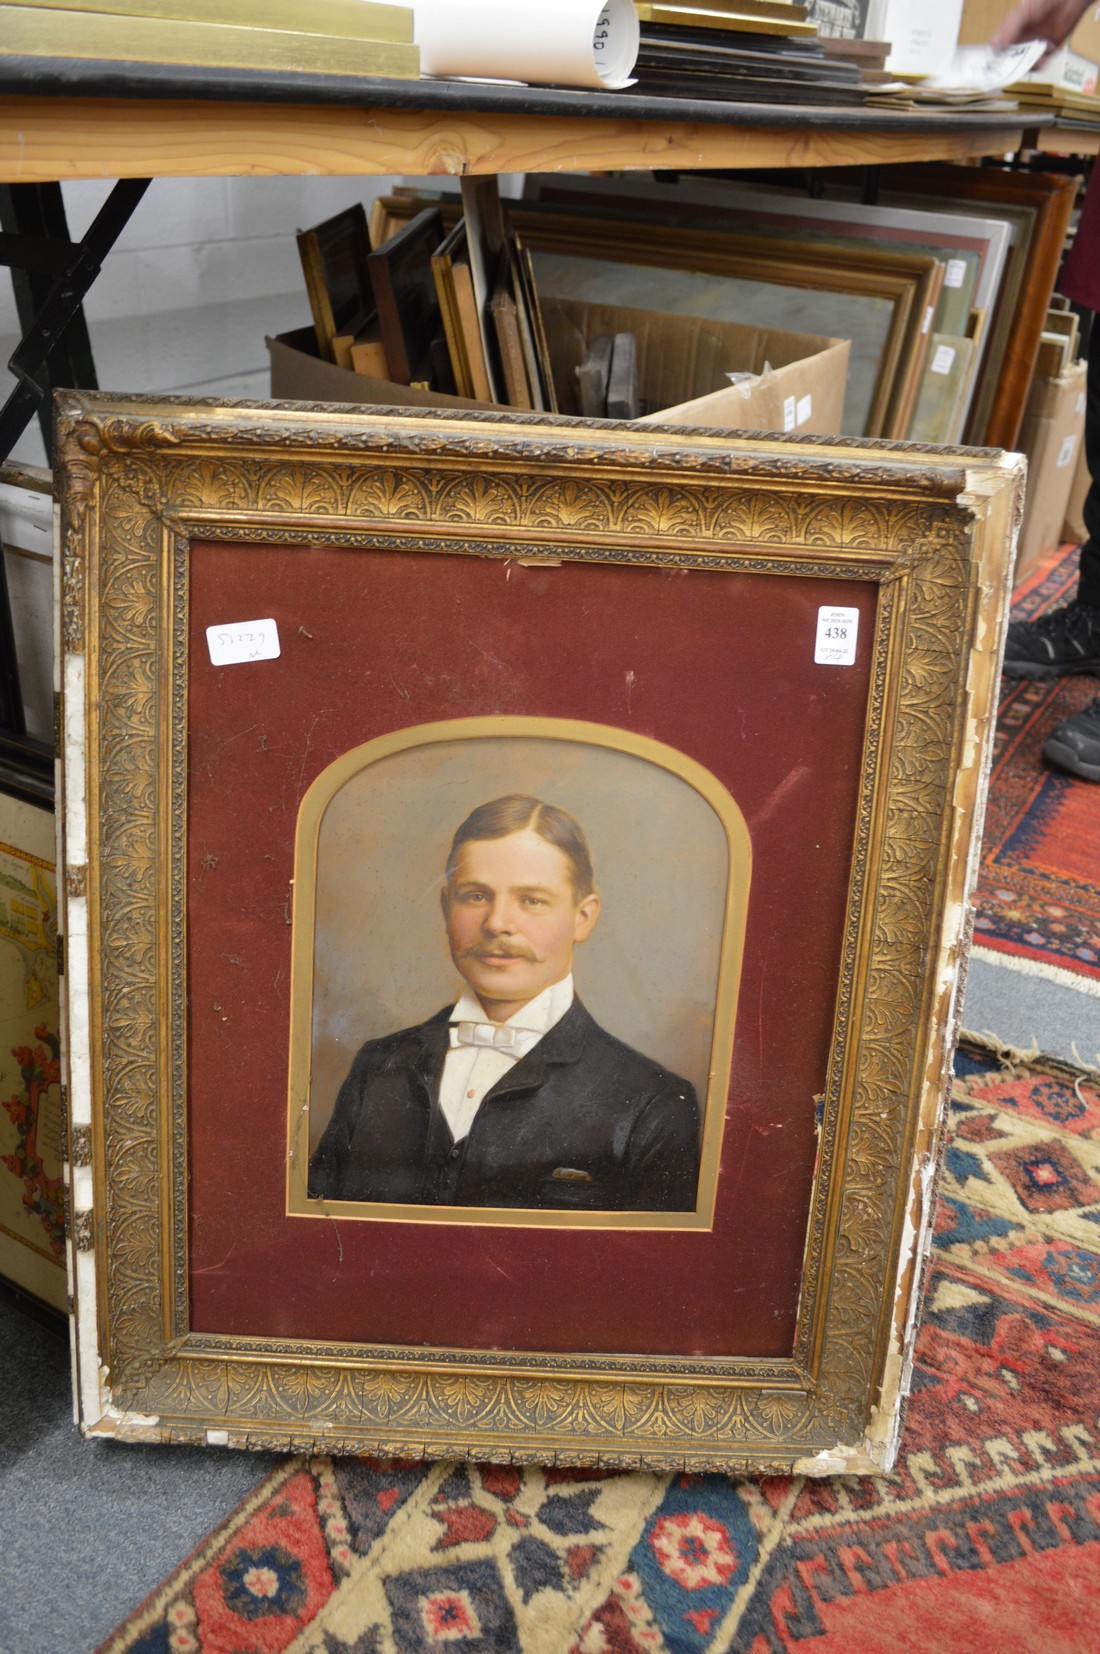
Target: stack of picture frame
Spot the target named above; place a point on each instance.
(881, 300)
(973, 248)
(1000, 232)
(451, 309)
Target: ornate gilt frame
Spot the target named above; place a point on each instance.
(931, 530)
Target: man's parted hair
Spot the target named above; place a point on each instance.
(519, 813)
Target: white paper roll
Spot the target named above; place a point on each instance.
(544, 42)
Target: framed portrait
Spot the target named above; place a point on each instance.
(516, 882)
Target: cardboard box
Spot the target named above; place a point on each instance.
(980, 18)
(1051, 435)
(1068, 68)
(794, 381)
(298, 374)
(1086, 36)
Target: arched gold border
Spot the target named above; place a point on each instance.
(310, 814)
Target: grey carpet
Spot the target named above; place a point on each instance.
(89, 1527)
(1032, 1013)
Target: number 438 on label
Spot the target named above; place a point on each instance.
(837, 632)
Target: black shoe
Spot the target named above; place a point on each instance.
(1066, 640)
(1074, 744)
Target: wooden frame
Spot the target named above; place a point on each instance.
(205, 1311)
(910, 282)
(401, 281)
(334, 258)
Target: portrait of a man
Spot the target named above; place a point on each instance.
(513, 1095)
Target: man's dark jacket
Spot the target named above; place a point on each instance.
(581, 1122)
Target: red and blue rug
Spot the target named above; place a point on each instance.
(1038, 894)
(987, 1535)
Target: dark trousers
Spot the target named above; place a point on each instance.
(1088, 588)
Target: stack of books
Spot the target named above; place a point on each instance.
(347, 37)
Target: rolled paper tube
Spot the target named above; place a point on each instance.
(590, 43)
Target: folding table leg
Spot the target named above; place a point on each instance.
(51, 276)
(61, 305)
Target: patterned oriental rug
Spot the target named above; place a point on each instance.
(1039, 887)
(987, 1535)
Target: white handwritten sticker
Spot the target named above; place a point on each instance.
(243, 641)
(928, 314)
(955, 274)
(805, 409)
(1067, 450)
(790, 417)
(942, 360)
(837, 631)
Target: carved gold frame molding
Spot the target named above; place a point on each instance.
(932, 530)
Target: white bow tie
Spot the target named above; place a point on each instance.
(515, 1041)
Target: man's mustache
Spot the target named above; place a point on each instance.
(498, 950)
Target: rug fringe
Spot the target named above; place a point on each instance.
(1011, 1056)
(1037, 967)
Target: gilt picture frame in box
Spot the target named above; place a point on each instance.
(660, 750)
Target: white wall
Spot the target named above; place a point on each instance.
(204, 269)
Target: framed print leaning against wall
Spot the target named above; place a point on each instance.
(516, 879)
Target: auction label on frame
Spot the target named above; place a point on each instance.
(837, 631)
(243, 641)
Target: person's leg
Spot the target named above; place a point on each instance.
(1088, 585)
(1068, 639)
(1074, 744)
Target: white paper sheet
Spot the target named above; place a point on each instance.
(543, 42)
(981, 69)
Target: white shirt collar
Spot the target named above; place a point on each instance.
(538, 1016)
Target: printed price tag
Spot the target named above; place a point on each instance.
(805, 409)
(243, 641)
(1067, 450)
(837, 631)
(955, 274)
(790, 418)
(942, 360)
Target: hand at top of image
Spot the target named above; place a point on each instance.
(1051, 20)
